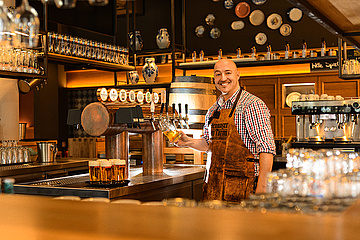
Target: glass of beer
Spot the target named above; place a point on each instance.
(94, 170)
(169, 130)
(118, 169)
(105, 171)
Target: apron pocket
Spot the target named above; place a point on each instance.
(236, 186)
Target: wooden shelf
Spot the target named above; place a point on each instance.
(252, 63)
(157, 52)
(88, 63)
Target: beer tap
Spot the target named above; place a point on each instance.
(186, 120)
(152, 110)
(180, 117)
(160, 115)
(175, 121)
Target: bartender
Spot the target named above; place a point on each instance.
(238, 139)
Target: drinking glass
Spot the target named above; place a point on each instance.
(6, 26)
(169, 130)
(27, 25)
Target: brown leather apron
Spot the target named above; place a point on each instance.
(231, 176)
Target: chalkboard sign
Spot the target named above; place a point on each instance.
(324, 65)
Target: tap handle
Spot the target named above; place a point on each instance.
(186, 109)
(173, 108)
(179, 108)
(166, 108)
(162, 108)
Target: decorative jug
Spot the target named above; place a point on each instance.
(138, 41)
(134, 77)
(150, 70)
(163, 38)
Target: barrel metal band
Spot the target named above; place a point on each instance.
(197, 112)
(193, 79)
(192, 91)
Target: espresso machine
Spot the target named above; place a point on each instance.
(327, 120)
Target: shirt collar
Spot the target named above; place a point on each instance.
(222, 102)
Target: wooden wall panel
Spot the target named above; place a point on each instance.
(332, 86)
(288, 126)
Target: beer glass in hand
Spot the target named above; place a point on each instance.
(169, 130)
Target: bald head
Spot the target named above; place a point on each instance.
(225, 62)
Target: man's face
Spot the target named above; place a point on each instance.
(226, 77)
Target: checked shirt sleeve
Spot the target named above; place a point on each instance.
(257, 121)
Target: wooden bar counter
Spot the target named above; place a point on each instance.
(34, 217)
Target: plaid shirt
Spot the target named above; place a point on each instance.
(252, 120)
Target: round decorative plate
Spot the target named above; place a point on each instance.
(285, 30)
(294, 96)
(257, 17)
(274, 21)
(242, 9)
(258, 2)
(295, 14)
(261, 38)
(228, 4)
(237, 25)
(200, 31)
(210, 19)
(215, 33)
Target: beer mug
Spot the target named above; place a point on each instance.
(169, 130)
(118, 169)
(105, 171)
(94, 170)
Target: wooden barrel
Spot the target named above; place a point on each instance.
(198, 92)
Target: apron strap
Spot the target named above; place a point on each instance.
(235, 103)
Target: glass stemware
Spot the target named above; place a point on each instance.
(6, 26)
(27, 25)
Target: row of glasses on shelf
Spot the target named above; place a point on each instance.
(12, 153)
(80, 47)
(19, 60)
(323, 173)
(351, 66)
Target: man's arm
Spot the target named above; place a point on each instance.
(197, 144)
(266, 162)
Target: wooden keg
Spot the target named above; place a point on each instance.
(198, 92)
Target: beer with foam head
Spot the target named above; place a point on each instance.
(118, 170)
(105, 171)
(94, 170)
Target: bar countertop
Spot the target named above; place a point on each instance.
(34, 217)
(77, 186)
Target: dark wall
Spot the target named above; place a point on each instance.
(156, 14)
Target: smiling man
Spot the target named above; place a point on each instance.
(238, 138)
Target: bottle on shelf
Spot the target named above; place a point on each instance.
(193, 56)
(303, 49)
(253, 51)
(220, 53)
(287, 50)
(323, 47)
(238, 52)
(268, 52)
(201, 55)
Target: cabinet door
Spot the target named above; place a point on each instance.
(332, 86)
(265, 89)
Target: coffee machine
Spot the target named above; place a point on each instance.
(327, 120)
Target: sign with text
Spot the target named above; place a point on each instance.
(324, 65)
